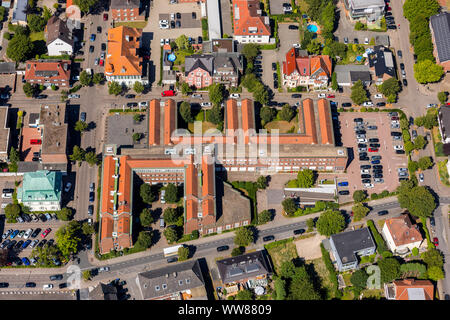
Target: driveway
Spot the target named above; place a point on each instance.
(287, 38)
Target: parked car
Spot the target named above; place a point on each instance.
(421, 177)
(235, 95)
(299, 231)
(25, 261)
(34, 243)
(321, 95)
(293, 27)
(344, 192)
(130, 96)
(90, 210)
(399, 53)
(222, 248)
(343, 184)
(30, 285)
(268, 238)
(47, 286)
(68, 186)
(436, 241)
(91, 196)
(46, 232)
(368, 104)
(405, 82)
(382, 212)
(103, 269)
(206, 104)
(82, 117)
(27, 233)
(432, 222)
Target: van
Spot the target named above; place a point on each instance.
(163, 193)
(162, 224)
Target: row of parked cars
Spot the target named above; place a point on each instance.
(44, 217)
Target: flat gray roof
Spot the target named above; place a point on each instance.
(441, 29)
(348, 243)
(214, 24)
(19, 11)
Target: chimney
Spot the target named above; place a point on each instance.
(174, 274)
(167, 275)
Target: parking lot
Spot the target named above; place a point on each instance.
(390, 160)
(287, 38)
(276, 6)
(186, 20)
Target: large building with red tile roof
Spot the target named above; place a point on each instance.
(307, 71)
(401, 235)
(127, 10)
(249, 25)
(192, 159)
(48, 72)
(123, 63)
(409, 289)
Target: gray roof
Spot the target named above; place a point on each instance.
(227, 60)
(19, 11)
(444, 119)
(204, 61)
(382, 61)
(382, 40)
(344, 72)
(441, 30)
(57, 29)
(359, 75)
(366, 3)
(214, 25)
(170, 279)
(7, 67)
(125, 4)
(243, 267)
(103, 292)
(33, 118)
(416, 294)
(348, 243)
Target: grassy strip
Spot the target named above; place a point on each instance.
(427, 233)
(279, 243)
(280, 88)
(443, 173)
(331, 270)
(205, 34)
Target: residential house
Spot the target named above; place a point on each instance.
(127, 10)
(219, 45)
(48, 72)
(199, 70)
(181, 281)
(227, 68)
(381, 64)
(249, 23)
(304, 70)
(73, 15)
(19, 15)
(440, 30)
(41, 190)
(123, 63)
(365, 10)
(58, 37)
(103, 292)
(346, 247)
(250, 270)
(347, 75)
(4, 133)
(7, 68)
(401, 235)
(409, 289)
(444, 123)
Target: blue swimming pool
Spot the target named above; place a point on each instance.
(359, 58)
(312, 28)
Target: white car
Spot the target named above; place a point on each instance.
(402, 169)
(378, 96)
(167, 41)
(34, 243)
(27, 233)
(321, 95)
(162, 42)
(163, 21)
(378, 180)
(366, 41)
(197, 96)
(68, 186)
(362, 149)
(432, 105)
(103, 269)
(362, 140)
(163, 26)
(47, 286)
(34, 218)
(368, 104)
(368, 185)
(398, 147)
(365, 171)
(206, 104)
(143, 104)
(73, 96)
(172, 16)
(297, 45)
(235, 95)
(421, 177)
(360, 136)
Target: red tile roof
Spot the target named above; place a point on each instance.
(245, 16)
(169, 120)
(306, 66)
(154, 127)
(310, 121)
(289, 65)
(232, 116)
(402, 286)
(47, 70)
(326, 129)
(402, 230)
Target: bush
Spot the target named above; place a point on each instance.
(237, 251)
(381, 245)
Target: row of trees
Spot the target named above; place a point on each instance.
(267, 114)
(79, 154)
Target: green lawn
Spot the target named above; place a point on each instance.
(132, 24)
(35, 36)
(319, 267)
(284, 251)
(443, 173)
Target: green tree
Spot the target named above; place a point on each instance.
(264, 216)
(12, 212)
(137, 117)
(433, 258)
(182, 42)
(286, 113)
(87, 229)
(359, 279)
(409, 146)
(426, 71)
(44, 255)
(86, 5)
(289, 206)
(330, 222)
(426, 8)
(442, 97)
(170, 215)
(136, 136)
(415, 252)
(146, 217)
(334, 83)
(417, 199)
(237, 251)
(420, 142)
(250, 51)
(19, 48)
(413, 166)
(171, 193)
(87, 274)
(425, 163)
(98, 78)
(215, 115)
(138, 87)
(65, 214)
(305, 178)
(435, 273)
(144, 240)
(359, 26)
(91, 158)
(36, 23)
(261, 182)
(310, 224)
(80, 126)
(243, 236)
(185, 112)
(244, 295)
(359, 94)
(260, 94)
(183, 253)
(301, 286)
(280, 289)
(7, 35)
(185, 88)
(390, 87)
(267, 114)
(359, 195)
(327, 17)
(389, 268)
(77, 154)
(171, 234)
(85, 78)
(114, 88)
(29, 89)
(68, 237)
(359, 211)
(314, 47)
(147, 193)
(250, 82)
(216, 93)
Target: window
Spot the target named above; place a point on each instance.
(157, 288)
(180, 282)
(188, 281)
(164, 286)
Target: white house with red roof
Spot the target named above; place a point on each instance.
(249, 24)
(300, 69)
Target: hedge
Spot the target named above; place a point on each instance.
(381, 245)
(331, 270)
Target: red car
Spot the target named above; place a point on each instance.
(168, 93)
(46, 232)
(448, 103)
(394, 118)
(373, 150)
(388, 9)
(436, 241)
(105, 17)
(102, 62)
(330, 96)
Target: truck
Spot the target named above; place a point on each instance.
(172, 251)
